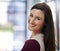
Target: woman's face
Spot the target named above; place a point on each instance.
(36, 20)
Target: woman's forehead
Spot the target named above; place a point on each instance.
(37, 12)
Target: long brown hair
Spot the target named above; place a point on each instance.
(48, 28)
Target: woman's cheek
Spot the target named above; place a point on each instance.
(40, 24)
(28, 19)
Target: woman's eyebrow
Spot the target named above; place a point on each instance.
(38, 16)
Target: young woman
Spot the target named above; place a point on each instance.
(40, 22)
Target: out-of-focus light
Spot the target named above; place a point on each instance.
(59, 20)
(42, 1)
(58, 6)
(52, 6)
(6, 41)
(18, 45)
(5, 0)
(17, 28)
(3, 12)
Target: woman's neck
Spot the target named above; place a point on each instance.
(35, 33)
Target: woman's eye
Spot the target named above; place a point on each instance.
(31, 15)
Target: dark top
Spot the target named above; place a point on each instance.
(31, 45)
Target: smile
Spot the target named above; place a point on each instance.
(32, 25)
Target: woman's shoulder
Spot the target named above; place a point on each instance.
(31, 45)
(40, 39)
(32, 41)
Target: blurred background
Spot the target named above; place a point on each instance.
(13, 22)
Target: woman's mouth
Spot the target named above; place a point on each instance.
(31, 25)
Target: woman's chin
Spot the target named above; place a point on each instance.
(31, 29)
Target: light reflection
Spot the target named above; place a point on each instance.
(6, 41)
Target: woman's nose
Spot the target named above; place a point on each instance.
(32, 20)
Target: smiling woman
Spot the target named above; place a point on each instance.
(40, 22)
(34, 20)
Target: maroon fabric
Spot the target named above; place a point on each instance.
(31, 45)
